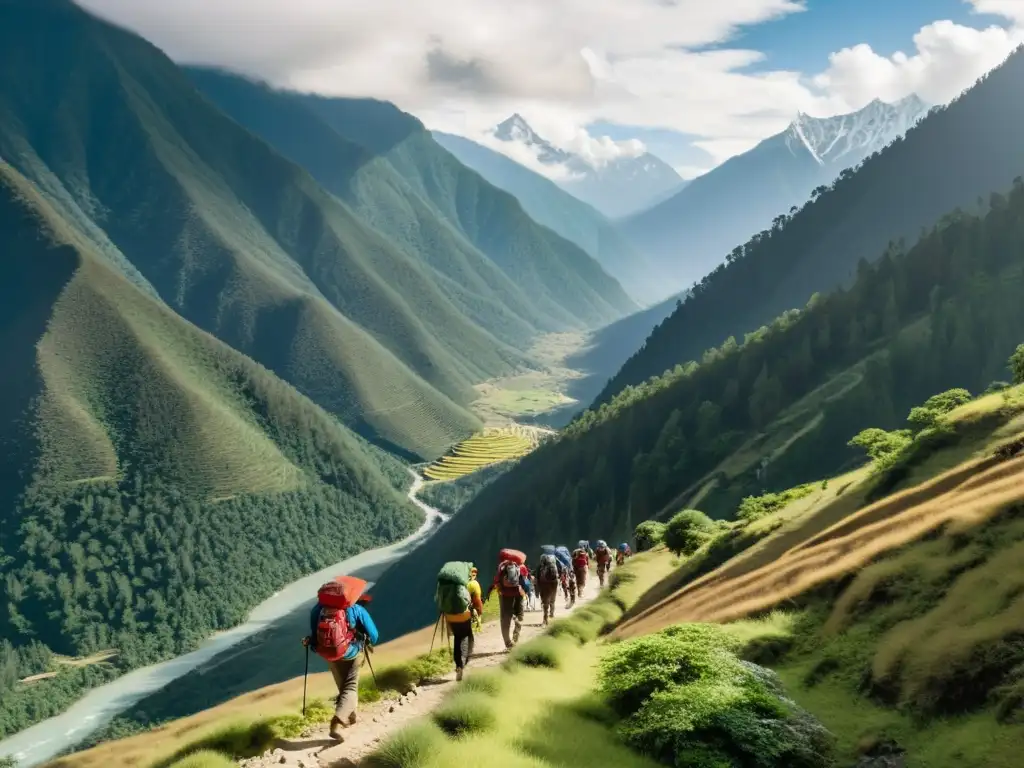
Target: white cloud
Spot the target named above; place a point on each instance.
(464, 65)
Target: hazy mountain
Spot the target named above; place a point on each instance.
(550, 205)
(689, 234)
(956, 156)
(616, 187)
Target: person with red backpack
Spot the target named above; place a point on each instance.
(508, 580)
(340, 630)
(581, 568)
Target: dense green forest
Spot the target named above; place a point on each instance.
(892, 195)
(944, 313)
(155, 484)
(451, 496)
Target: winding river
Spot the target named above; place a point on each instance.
(44, 741)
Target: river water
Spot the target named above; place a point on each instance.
(45, 740)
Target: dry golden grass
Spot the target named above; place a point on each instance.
(958, 500)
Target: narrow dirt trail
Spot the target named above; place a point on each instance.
(377, 721)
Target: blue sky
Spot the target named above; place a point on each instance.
(802, 42)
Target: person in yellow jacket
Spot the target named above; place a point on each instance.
(461, 625)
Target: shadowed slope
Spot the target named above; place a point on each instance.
(224, 229)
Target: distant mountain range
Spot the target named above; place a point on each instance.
(617, 187)
(689, 234)
(552, 206)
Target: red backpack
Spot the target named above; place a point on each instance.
(334, 635)
(580, 561)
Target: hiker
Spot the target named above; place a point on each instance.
(603, 556)
(529, 589)
(623, 552)
(509, 582)
(585, 545)
(581, 568)
(474, 586)
(568, 577)
(458, 598)
(549, 575)
(340, 629)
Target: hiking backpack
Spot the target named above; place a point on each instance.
(547, 569)
(334, 636)
(603, 555)
(510, 575)
(452, 593)
(580, 559)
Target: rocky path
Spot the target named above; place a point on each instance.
(377, 721)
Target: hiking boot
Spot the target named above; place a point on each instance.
(336, 726)
(352, 719)
(458, 675)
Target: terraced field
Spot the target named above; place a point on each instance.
(482, 450)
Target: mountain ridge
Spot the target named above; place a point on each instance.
(617, 187)
(689, 234)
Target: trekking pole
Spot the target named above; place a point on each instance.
(305, 677)
(366, 653)
(434, 636)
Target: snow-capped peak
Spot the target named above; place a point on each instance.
(851, 137)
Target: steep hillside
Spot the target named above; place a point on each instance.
(608, 348)
(616, 187)
(689, 234)
(550, 205)
(502, 270)
(944, 314)
(953, 157)
(144, 464)
(231, 235)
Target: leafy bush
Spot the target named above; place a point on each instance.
(687, 531)
(544, 651)
(8, 762)
(756, 507)
(408, 748)
(465, 713)
(648, 535)
(689, 701)
(1016, 365)
(883, 448)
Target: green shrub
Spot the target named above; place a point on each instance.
(756, 507)
(465, 713)
(688, 700)
(687, 531)
(1016, 365)
(408, 748)
(402, 678)
(576, 627)
(883, 448)
(8, 762)
(648, 535)
(633, 670)
(543, 651)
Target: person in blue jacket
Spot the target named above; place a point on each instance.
(346, 669)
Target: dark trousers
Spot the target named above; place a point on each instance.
(511, 607)
(548, 592)
(462, 637)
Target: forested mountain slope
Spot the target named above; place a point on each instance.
(969, 149)
(155, 484)
(510, 275)
(550, 205)
(946, 313)
(230, 234)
